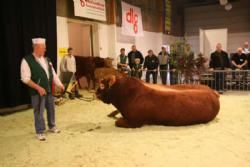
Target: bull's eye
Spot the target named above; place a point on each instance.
(102, 86)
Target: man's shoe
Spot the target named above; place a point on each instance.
(41, 137)
(54, 130)
(78, 96)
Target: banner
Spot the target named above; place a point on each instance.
(131, 20)
(168, 12)
(93, 9)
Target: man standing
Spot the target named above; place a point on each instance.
(68, 69)
(151, 64)
(163, 57)
(246, 49)
(38, 73)
(132, 55)
(219, 61)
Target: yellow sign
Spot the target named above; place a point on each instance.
(62, 52)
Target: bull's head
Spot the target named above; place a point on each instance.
(103, 92)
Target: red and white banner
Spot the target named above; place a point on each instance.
(131, 20)
(93, 9)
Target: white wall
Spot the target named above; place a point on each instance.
(237, 21)
(62, 37)
(108, 40)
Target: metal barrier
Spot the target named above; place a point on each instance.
(235, 80)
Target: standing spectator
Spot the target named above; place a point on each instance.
(136, 70)
(239, 62)
(68, 69)
(122, 61)
(219, 61)
(246, 49)
(163, 57)
(38, 73)
(151, 65)
(132, 55)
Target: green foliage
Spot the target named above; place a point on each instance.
(182, 59)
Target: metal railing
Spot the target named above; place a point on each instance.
(238, 80)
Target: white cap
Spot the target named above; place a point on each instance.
(38, 40)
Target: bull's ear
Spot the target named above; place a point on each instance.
(100, 80)
(112, 80)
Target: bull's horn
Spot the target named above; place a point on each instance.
(112, 80)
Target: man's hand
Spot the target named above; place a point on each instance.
(41, 91)
(211, 69)
(62, 88)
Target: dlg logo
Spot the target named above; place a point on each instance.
(132, 18)
(83, 3)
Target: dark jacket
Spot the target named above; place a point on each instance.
(239, 59)
(151, 62)
(219, 60)
(132, 56)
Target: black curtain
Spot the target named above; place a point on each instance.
(20, 21)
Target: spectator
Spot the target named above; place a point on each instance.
(68, 69)
(239, 62)
(122, 61)
(136, 70)
(219, 61)
(163, 58)
(151, 65)
(132, 55)
(246, 49)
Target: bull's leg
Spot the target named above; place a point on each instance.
(123, 123)
(113, 114)
(94, 83)
(78, 82)
(88, 82)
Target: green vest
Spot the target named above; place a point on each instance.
(38, 74)
(123, 59)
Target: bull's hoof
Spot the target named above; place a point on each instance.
(123, 123)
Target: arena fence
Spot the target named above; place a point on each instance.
(235, 80)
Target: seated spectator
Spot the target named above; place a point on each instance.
(122, 61)
(239, 62)
(151, 65)
(136, 70)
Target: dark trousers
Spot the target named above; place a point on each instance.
(154, 74)
(39, 103)
(163, 74)
(173, 78)
(136, 73)
(219, 80)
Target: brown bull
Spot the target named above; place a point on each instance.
(85, 66)
(141, 103)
